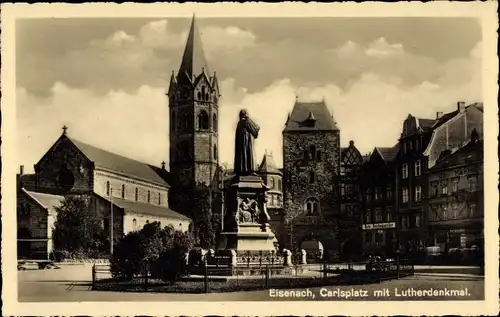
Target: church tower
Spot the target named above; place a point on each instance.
(194, 112)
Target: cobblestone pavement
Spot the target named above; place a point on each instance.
(73, 284)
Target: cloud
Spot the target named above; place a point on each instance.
(477, 50)
(130, 124)
(370, 111)
(380, 48)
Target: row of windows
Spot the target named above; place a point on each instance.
(376, 194)
(185, 122)
(272, 183)
(441, 188)
(275, 200)
(410, 145)
(109, 192)
(406, 196)
(443, 212)
(378, 216)
(407, 221)
(417, 169)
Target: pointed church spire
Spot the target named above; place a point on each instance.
(193, 60)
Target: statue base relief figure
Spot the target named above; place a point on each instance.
(246, 221)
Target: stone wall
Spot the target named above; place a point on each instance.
(298, 187)
(116, 181)
(64, 155)
(297, 172)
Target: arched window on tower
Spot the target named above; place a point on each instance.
(136, 194)
(214, 122)
(272, 183)
(311, 207)
(203, 120)
(279, 184)
(215, 151)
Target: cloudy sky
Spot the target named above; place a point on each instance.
(106, 78)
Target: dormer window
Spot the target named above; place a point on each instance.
(311, 120)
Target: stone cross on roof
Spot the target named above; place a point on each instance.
(65, 128)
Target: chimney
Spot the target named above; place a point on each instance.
(461, 106)
(439, 114)
(21, 170)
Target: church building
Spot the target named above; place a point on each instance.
(126, 193)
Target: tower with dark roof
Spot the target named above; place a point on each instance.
(311, 161)
(193, 101)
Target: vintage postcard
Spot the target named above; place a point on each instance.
(250, 159)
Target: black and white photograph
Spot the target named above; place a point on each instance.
(211, 156)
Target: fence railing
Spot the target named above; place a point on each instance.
(216, 278)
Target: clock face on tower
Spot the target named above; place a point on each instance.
(65, 179)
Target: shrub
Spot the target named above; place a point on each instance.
(152, 249)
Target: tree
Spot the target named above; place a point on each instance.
(159, 251)
(78, 228)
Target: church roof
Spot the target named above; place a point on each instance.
(305, 112)
(120, 164)
(47, 201)
(444, 118)
(426, 124)
(193, 59)
(388, 154)
(268, 166)
(146, 209)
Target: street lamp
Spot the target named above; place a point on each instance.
(111, 226)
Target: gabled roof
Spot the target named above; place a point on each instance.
(444, 118)
(146, 209)
(351, 155)
(120, 164)
(46, 201)
(193, 59)
(388, 154)
(426, 124)
(268, 166)
(302, 111)
(471, 152)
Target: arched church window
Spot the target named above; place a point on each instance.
(149, 196)
(123, 190)
(312, 206)
(136, 194)
(214, 122)
(203, 120)
(134, 224)
(108, 188)
(204, 94)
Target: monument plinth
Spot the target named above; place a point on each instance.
(246, 221)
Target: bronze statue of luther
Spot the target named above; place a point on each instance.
(246, 132)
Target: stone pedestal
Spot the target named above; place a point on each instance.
(246, 221)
